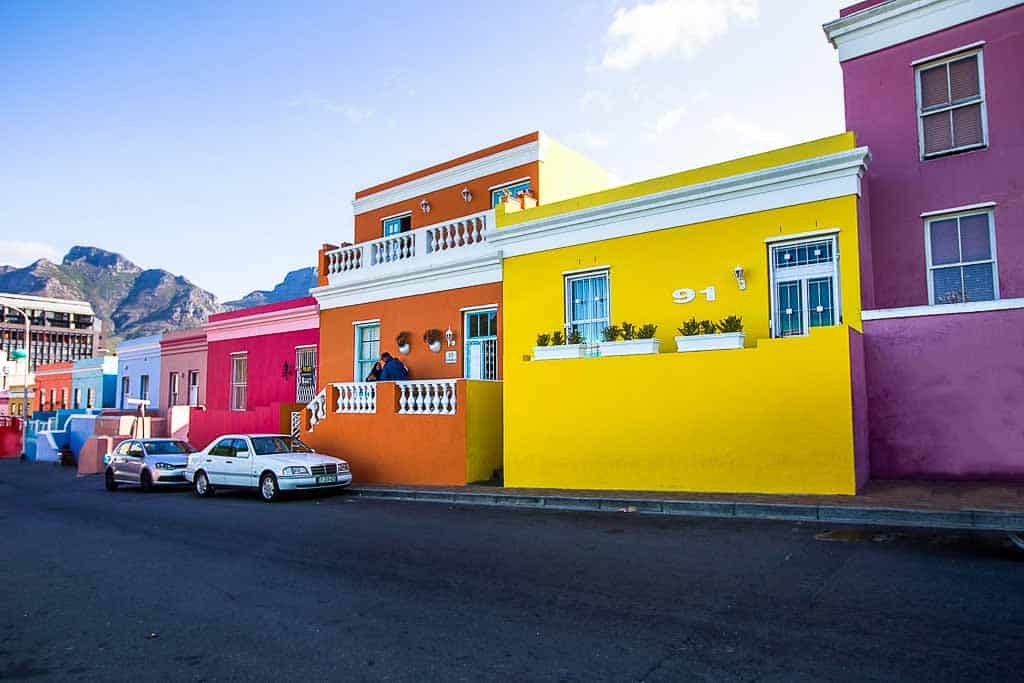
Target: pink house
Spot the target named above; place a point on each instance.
(183, 364)
(261, 368)
(935, 89)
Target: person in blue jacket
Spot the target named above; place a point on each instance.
(392, 369)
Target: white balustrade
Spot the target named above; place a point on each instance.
(317, 408)
(420, 244)
(356, 397)
(426, 397)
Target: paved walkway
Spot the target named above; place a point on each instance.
(955, 505)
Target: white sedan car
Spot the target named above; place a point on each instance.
(271, 463)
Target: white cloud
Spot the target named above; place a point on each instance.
(308, 100)
(669, 120)
(17, 253)
(747, 135)
(596, 99)
(651, 31)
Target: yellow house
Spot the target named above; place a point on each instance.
(771, 239)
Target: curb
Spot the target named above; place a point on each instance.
(979, 520)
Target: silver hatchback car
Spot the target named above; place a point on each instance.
(147, 463)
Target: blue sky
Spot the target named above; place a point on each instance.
(224, 141)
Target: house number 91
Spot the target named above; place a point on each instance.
(685, 295)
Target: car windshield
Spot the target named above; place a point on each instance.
(168, 448)
(265, 445)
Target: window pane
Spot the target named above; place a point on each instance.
(492, 323)
(819, 300)
(947, 286)
(963, 79)
(588, 307)
(934, 90)
(804, 254)
(938, 135)
(979, 283)
(967, 126)
(790, 313)
(945, 247)
(974, 237)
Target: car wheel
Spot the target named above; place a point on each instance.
(202, 485)
(146, 481)
(269, 490)
(109, 481)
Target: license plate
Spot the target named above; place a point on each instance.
(327, 479)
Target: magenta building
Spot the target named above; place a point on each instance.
(261, 367)
(935, 89)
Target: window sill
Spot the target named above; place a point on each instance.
(943, 309)
(954, 152)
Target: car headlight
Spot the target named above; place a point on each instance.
(164, 466)
(343, 467)
(296, 472)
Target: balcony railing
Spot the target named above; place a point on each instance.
(421, 245)
(426, 397)
(356, 397)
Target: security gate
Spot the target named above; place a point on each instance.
(305, 374)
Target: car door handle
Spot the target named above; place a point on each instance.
(227, 462)
(209, 460)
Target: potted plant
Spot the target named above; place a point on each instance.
(432, 338)
(404, 342)
(706, 335)
(557, 345)
(629, 339)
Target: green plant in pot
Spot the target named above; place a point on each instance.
(574, 337)
(690, 328)
(628, 331)
(732, 323)
(558, 338)
(432, 338)
(646, 331)
(708, 327)
(611, 333)
(403, 340)
(543, 339)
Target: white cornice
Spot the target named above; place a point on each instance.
(942, 309)
(482, 269)
(456, 175)
(897, 21)
(825, 177)
(130, 350)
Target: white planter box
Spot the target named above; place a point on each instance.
(556, 352)
(630, 348)
(710, 342)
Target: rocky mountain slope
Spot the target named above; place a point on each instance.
(133, 302)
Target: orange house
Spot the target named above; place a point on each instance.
(422, 282)
(53, 387)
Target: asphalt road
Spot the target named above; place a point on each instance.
(126, 585)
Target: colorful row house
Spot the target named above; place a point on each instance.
(94, 383)
(53, 387)
(138, 374)
(423, 283)
(183, 366)
(935, 89)
(260, 367)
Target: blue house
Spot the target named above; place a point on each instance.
(94, 383)
(138, 372)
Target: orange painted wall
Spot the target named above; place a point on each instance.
(445, 204)
(59, 380)
(413, 314)
(388, 448)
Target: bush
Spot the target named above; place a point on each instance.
(575, 337)
(557, 338)
(733, 323)
(611, 333)
(543, 339)
(628, 331)
(646, 331)
(690, 328)
(708, 327)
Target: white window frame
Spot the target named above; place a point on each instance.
(803, 274)
(569, 278)
(358, 328)
(920, 67)
(236, 384)
(929, 268)
(191, 374)
(174, 388)
(467, 341)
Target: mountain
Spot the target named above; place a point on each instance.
(130, 301)
(296, 284)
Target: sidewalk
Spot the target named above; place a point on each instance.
(944, 505)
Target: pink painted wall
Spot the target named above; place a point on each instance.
(267, 356)
(881, 110)
(859, 401)
(207, 425)
(946, 396)
(182, 352)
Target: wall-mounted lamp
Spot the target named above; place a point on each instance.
(740, 281)
(284, 369)
(449, 336)
(467, 196)
(425, 206)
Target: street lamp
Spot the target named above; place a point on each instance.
(15, 355)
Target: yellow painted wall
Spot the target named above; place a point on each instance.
(773, 419)
(483, 429)
(566, 173)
